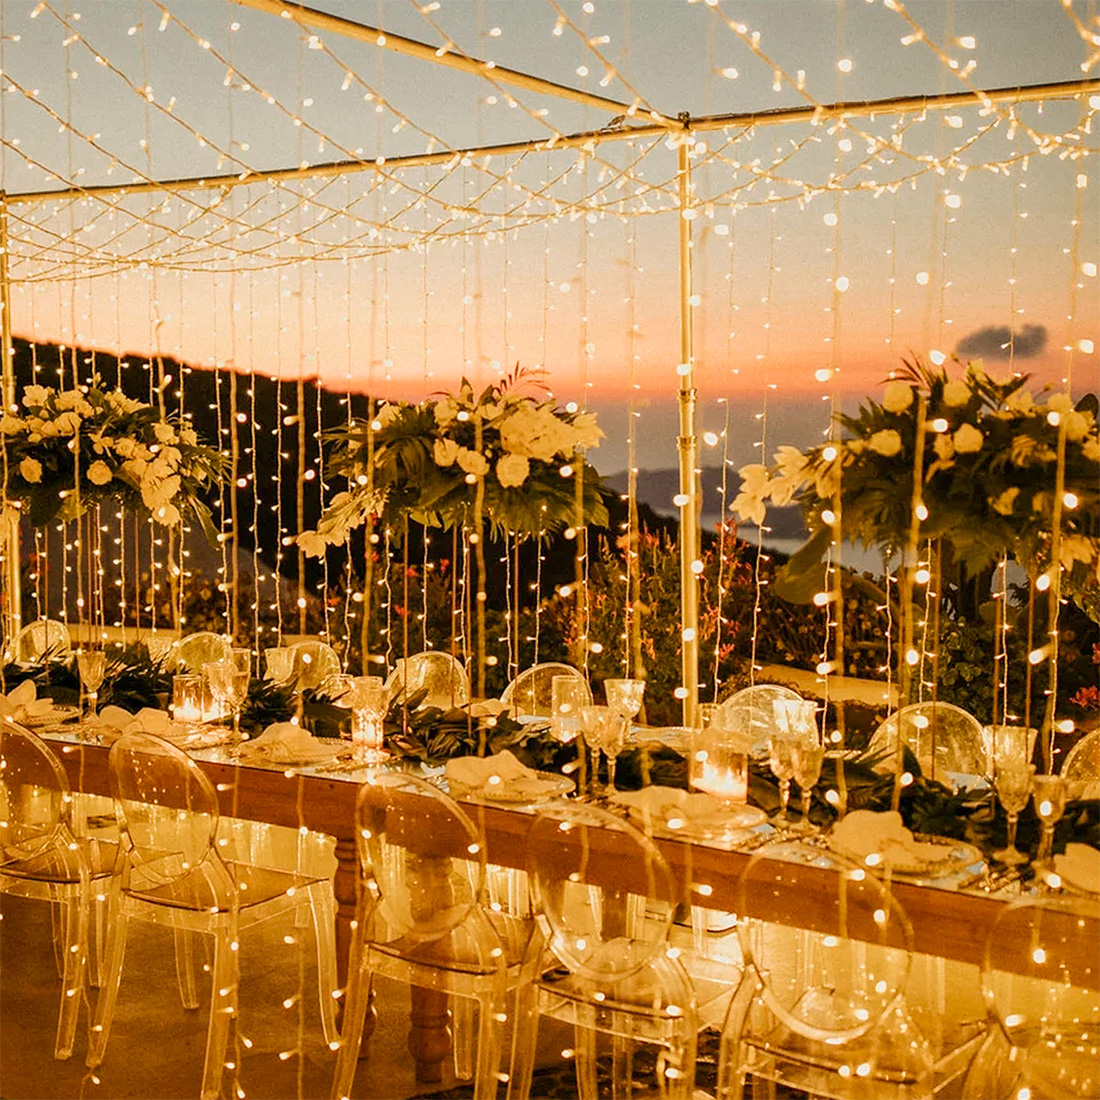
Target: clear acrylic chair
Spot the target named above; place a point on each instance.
(37, 639)
(1040, 974)
(955, 735)
(41, 858)
(314, 663)
(422, 918)
(171, 873)
(196, 650)
(1082, 764)
(604, 899)
(760, 699)
(438, 673)
(823, 1010)
(530, 694)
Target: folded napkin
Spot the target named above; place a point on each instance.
(864, 833)
(20, 703)
(501, 776)
(118, 721)
(674, 808)
(286, 743)
(1079, 867)
(487, 708)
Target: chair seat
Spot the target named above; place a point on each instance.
(100, 855)
(257, 885)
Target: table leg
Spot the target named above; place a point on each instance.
(429, 1035)
(346, 887)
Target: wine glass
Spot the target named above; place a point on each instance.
(242, 659)
(92, 666)
(781, 762)
(625, 696)
(567, 695)
(280, 664)
(806, 758)
(1050, 804)
(609, 733)
(1013, 791)
(230, 688)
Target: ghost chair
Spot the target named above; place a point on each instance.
(41, 858)
(35, 640)
(441, 676)
(171, 873)
(530, 694)
(760, 700)
(946, 740)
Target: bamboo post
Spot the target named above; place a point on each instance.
(688, 444)
(12, 605)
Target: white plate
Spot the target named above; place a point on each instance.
(723, 824)
(957, 857)
(558, 785)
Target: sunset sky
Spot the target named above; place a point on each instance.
(965, 224)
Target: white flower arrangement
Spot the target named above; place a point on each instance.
(512, 455)
(70, 449)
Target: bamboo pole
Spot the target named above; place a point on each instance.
(12, 604)
(445, 55)
(854, 109)
(688, 445)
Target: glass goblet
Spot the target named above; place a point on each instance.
(1050, 803)
(229, 687)
(806, 758)
(611, 734)
(591, 717)
(280, 664)
(625, 696)
(1013, 791)
(781, 762)
(92, 666)
(242, 659)
(567, 694)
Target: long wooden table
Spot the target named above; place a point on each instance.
(946, 923)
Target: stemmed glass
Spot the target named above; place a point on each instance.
(1050, 804)
(229, 687)
(604, 728)
(1013, 790)
(806, 758)
(625, 696)
(781, 762)
(92, 666)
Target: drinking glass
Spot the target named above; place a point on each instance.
(92, 666)
(806, 758)
(187, 697)
(604, 728)
(795, 718)
(625, 696)
(280, 664)
(1013, 791)
(781, 762)
(1050, 803)
(242, 659)
(368, 700)
(567, 695)
(229, 687)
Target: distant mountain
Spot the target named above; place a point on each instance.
(657, 488)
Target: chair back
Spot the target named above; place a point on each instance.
(440, 674)
(196, 650)
(37, 639)
(955, 736)
(854, 957)
(34, 796)
(167, 810)
(422, 856)
(530, 694)
(1083, 760)
(757, 703)
(314, 663)
(603, 894)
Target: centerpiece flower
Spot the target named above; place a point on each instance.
(503, 456)
(68, 450)
(976, 458)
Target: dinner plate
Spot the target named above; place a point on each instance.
(558, 785)
(956, 857)
(723, 824)
(53, 717)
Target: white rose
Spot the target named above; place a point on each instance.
(49, 430)
(10, 425)
(99, 473)
(1077, 425)
(445, 411)
(897, 397)
(445, 451)
(156, 492)
(968, 439)
(125, 447)
(956, 393)
(69, 399)
(512, 470)
(189, 436)
(886, 442)
(312, 544)
(68, 423)
(31, 469)
(168, 514)
(35, 396)
(1021, 401)
(536, 433)
(165, 433)
(472, 462)
(588, 432)
(132, 471)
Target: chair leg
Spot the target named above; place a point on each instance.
(525, 1029)
(97, 938)
(622, 1063)
(489, 1027)
(356, 1003)
(185, 967)
(74, 925)
(584, 1041)
(108, 994)
(462, 1031)
(323, 910)
(223, 1008)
